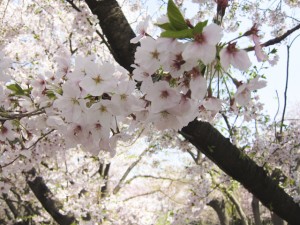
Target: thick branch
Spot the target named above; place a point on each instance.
(10, 205)
(255, 210)
(241, 168)
(219, 207)
(117, 30)
(46, 198)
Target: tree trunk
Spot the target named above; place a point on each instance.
(219, 207)
(255, 210)
(201, 134)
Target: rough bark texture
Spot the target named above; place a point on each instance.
(243, 169)
(201, 134)
(255, 210)
(46, 198)
(116, 29)
(276, 220)
(219, 207)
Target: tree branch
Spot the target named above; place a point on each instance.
(240, 167)
(117, 30)
(46, 198)
(104, 174)
(154, 177)
(219, 207)
(255, 210)
(277, 39)
(10, 205)
(118, 187)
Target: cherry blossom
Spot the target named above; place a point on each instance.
(148, 55)
(70, 103)
(243, 93)
(6, 131)
(253, 32)
(204, 46)
(162, 96)
(98, 79)
(176, 65)
(236, 57)
(68, 109)
(141, 30)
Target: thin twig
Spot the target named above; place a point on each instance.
(227, 123)
(7, 164)
(40, 138)
(277, 39)
(73, 5)
(154, 177)
(6, 116)
(118, 187)
(286, 87)
(287, 80)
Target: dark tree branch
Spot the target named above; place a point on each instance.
(286, 88)
(46, 198)
(116, 29)
(240, 167)
(277, 39)
(219, 207)
(73, 5)
(255, 210)
(201, 134)
(10, 205)
(104, 175)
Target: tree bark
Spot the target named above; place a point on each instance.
(255, 210)
(46, 198)
(219, 207)
(116, 29)
(276, 220)
(201, 134)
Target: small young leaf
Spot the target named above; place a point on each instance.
(181, 34)
(16, 89)
(165, 26)
(175, 17)
(50, 94)
(199, 27)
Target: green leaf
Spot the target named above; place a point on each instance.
(187, 33)
(199, 27)
(274, 50)
(16, 89)
(165, 26)
(50, 94)
(175, 17)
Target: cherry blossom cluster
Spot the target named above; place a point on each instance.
(177, 76)
(60, 97)
(87, 100)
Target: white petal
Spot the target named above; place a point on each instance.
(225, 58)
(241, 60)
(213, 34)
(198, 87)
